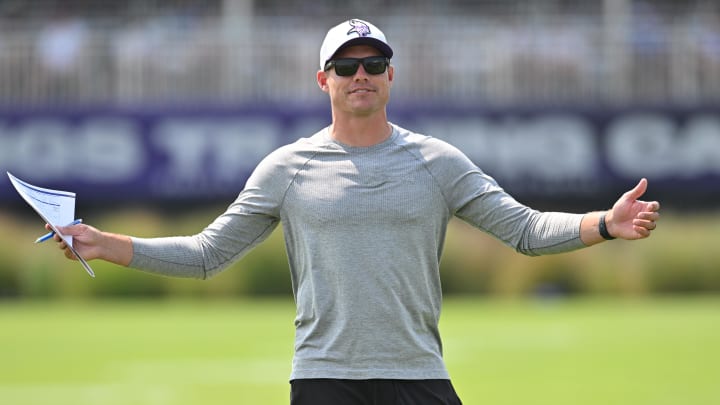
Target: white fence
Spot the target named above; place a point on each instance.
(482, 60)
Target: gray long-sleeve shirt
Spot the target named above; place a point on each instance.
(364, 230)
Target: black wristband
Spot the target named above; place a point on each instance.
(602, 227)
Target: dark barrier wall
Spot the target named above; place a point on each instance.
(556, 156)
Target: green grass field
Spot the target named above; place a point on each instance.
(635, 352)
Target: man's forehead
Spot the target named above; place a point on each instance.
(358, 51)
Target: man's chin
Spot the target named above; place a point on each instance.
(364, 108)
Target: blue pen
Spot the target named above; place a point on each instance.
(50, 234)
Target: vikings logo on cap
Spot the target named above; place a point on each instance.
(359, 27)
(339, 37)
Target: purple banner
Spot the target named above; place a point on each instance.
(547, 155)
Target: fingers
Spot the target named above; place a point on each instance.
(67, 252)
(72, 230)
(645, 222)
(62, 245)
(647, 219)
(648, 216)
(642, 231)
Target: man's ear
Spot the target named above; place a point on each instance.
(391, 73)
(322, 80)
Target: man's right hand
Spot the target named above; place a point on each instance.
(91, 243)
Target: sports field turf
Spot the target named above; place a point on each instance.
(647, 352)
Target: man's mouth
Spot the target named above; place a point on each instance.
(362, 90)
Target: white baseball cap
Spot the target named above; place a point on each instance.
(352, 32)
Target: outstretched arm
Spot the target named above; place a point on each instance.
(92, 243)
(628, 219)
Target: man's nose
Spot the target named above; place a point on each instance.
(361, 74)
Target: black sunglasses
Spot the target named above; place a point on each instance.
(373, 65)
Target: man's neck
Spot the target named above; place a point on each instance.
(361, 131)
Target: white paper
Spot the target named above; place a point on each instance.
(55, 207)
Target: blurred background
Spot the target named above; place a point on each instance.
(155, 113)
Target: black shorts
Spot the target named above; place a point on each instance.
(322, 391)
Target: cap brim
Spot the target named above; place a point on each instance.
(375, 43)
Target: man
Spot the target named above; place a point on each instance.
(365, 206)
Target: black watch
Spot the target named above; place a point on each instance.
(602, 226)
